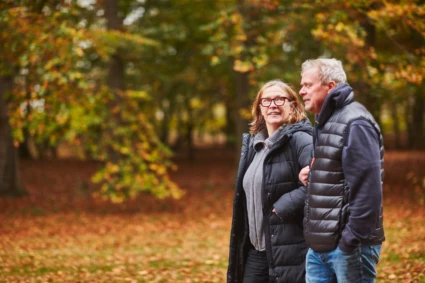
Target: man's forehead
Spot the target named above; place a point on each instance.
(310, 75)
(311, 71)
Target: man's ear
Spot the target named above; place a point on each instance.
(331, 85)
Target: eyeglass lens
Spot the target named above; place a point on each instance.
(279, 101)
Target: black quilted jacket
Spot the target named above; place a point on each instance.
(285, 245)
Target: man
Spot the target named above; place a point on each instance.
(343, 213)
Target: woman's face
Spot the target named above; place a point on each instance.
(275, 115)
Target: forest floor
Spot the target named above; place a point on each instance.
(58, 233)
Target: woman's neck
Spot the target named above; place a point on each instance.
(271, 129)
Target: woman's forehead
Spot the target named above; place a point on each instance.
(273, 91)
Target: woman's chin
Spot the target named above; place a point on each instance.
(274, 124)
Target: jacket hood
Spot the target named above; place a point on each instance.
(286, 130)
(302, 126)
(249, 140)
(337, 98)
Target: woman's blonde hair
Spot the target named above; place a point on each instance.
(297, 108)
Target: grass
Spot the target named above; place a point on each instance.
(51, 236)
(137, 248)
(403, 254)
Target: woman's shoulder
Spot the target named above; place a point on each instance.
(302, 137)
(302, 128)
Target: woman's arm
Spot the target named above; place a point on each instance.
(291, 204)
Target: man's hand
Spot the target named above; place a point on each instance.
(303, 176)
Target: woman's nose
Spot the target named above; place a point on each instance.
(272, 104)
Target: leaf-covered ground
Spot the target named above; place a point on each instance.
(59, 234)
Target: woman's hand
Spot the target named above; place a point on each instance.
(303, 176)
(275, 212)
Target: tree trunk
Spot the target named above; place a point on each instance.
(168, 107)
(242, 102)
(396, 126)
(230, 128)
(115, 79)
(116, 65)
(189, 138)
(409, 123)
(367, 95)
(10, 184)
(24, 151)
(165, 127)
(251, 12)
(418, 141)
(189, 132)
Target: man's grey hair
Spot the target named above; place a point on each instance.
(329, 70)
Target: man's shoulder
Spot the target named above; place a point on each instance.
(351, 112)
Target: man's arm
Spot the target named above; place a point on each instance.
(361, 163)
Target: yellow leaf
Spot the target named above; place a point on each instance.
(79, 51)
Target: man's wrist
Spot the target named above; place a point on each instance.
(347, 248)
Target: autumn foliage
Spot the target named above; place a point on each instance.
(59, 233)
(131, 86)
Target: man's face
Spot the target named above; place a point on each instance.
(313, 91)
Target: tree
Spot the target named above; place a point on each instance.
(63, 70)
(185, 89)
(402, 59)
(9, 170)
(245, 36)
(381, 44)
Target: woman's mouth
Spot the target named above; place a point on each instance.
(274, 113)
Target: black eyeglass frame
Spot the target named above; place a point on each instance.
(270, 100)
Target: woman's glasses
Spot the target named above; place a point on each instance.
(278, 101)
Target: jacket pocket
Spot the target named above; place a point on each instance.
(275, 219)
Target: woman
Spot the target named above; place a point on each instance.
(267, 242)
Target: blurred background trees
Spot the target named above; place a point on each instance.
(129, 82)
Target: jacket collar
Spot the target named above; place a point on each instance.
(262, 140)
(336, 99)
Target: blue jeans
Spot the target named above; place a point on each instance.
(339, 266)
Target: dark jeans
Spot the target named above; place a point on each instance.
(256, 267)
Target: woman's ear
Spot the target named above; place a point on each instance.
(292, 111)
(294, 105)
